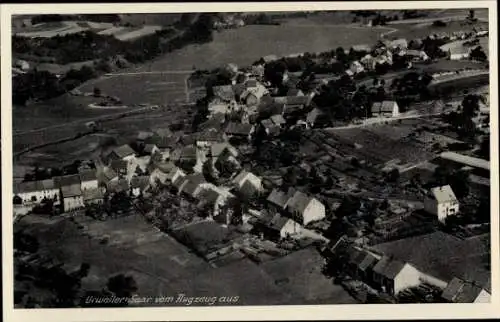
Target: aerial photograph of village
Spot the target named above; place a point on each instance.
(251, 158)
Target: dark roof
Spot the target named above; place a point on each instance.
(163, 132)
(123, 151)
(73, 190)
(88, 175)
(460, 291)
(278, 198)
(299, 202)
(278, 222)
(248, 189)
(293, 92)
(443, 256)
(119, 165)
(140, 182)
(218, 149)
(167, 142)
(208, 196)
(388, 267)
(251, 83)
(109, 173)
(210, 135)
(239, 128)
(189, 139)
(278, 119)
(188, 152)
(239, 89)
(92, 194)
(67, 180)
(148, 148)
(314, 114)
(193, 181)
(31, 186)
(267, 123)
(215, 122)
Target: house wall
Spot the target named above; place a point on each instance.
(91, 184)
(136, 192)
(73, 203)
(408, 277)
(314, 211)
(395, 110)
(483, 297)
(430, 205)
(447, 209)
(129, 157)
(429, 279)
(290, 228)
(26, 197)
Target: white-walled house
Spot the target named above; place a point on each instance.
(123, 152)
(460, 291)
(442, 202)
(394, 276)
(88, 179)
(72, 198)
(249, 181)
(33, 192)
(385, 109)
(305, 209)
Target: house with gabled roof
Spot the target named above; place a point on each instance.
(278, 120)
(190, 185)
(278, 199)
(270, 128)
(240, 131)
(224, 92)
(88, 179)
(248, 184)
(277, 226)
(138, 185)
(460, 291)
(385, 109)
(394, 276)
(305, 209)
(71, 197)
(441, 202)
(93, 196)
(31, 192)
(122, 152)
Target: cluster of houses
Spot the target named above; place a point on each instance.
(380, 269)
(70, 192)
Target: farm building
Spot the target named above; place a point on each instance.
(31, 192)
(441, 202)
(394, 276)
(276, 226)
(93, 196)
(439, 257)
(88, 179)
(460, 291)
(240, 131)
(305, 209)
(385, 109)
(71, 197)
(249, 180)
(278, 199)
(123, 152)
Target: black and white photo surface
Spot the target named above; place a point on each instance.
(237, 158)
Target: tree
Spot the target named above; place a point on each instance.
(484, 148)
(392, 176)
(478, 54)
(122, 286)
(349, 206)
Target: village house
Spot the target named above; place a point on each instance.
(400, 43)
(394, 276)
(270, 128)
(88, 179)
(294, 92)
(460, 291)
(221, 150)
(138, 185)
(151, 149)
(240, 131)
(441, 202)
(33, 192)
(417, 55)
(315, 117)
(278, 199)
(107, 175)
(278, 120)
(362, 48)
(360, 264)
(385, 109)
(119, 166)
(305, 209)
(142, 136)
(356, 67)
(93, 196)
(71, 196)
(369, 62)
(192, 185)
(208, 137)
(248, 184)
(276, 226)
(123, 152)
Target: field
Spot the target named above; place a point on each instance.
(422, 30)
